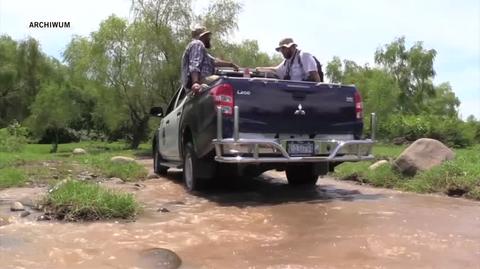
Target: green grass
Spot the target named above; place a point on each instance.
(12, 177)
(460, 176)
(74, 200)
(102, 163)
(35, 164)
(383, 151)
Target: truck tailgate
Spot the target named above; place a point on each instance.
(276, 106)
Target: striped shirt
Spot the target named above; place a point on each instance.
(196, 59)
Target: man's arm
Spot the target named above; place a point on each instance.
(267, 69)
(310, 67)
(314, 76)
(278, 70)
(195, 60)
(222, 63)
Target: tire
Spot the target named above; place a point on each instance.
(157, 167)
(301, 175)
(190, 169)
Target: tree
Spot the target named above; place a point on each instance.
(444, 102)
(54, 108)
(334, 70)
(137, 65)
(9, 88)
(24, 68)
(412, 70)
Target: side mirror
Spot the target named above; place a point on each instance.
(156, 111)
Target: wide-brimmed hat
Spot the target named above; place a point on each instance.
(200, 31)
(286, 42)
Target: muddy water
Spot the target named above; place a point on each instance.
(261, 223)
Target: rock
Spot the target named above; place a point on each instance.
(79, 151)
(44, 218)
(152, 176)
(25, 214)
(138, 186)
(4, 221)
(160, 258)
(122, 159)
(117, 180)
(17, 206)
(163, 210)
(422, 155)
(87, 177)
(377, 164)
(27, 201)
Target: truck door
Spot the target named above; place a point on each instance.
(169, 131)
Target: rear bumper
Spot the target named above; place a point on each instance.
(267, 151)
(241, 150)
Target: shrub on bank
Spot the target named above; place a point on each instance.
(74, 200)
(13, 138)
(450, 131)
(459, 177)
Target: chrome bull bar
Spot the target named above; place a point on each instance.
(337, 154)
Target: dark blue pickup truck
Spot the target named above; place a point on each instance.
(248, 125)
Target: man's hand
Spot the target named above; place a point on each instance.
(196, 87)
(234, 66)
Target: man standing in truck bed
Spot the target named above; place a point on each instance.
(197, 63)
(298, 65)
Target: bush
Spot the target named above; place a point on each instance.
(74, 200)
(13, 138)
(65, 135)
(450, 131)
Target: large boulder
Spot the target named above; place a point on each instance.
(422, 155)
(122, 159)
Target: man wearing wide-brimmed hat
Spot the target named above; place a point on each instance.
(298, 65)
(197, 63)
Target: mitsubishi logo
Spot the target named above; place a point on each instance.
(300, 110)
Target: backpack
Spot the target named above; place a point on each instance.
(319, 67)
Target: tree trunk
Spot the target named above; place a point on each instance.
(140, 130)
(55, 142)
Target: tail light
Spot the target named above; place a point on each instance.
(223, 98)
(358, 105)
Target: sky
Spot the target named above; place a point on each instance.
(348, 29)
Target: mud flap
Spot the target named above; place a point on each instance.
(206, 168)
(321, 169)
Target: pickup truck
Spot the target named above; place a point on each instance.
(241, 125)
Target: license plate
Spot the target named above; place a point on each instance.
(300, 148)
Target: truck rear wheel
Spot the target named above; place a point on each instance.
(190, 169)
(303, 174)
